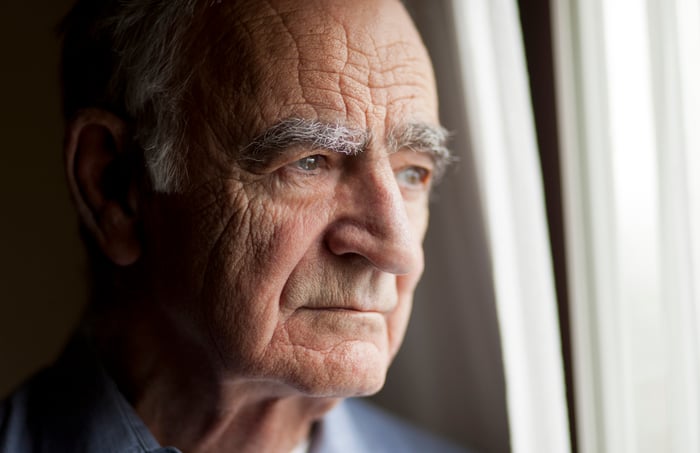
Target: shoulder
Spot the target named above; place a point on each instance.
(356, 425)
(71, 406)
(19, 418)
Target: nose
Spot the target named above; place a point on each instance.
(373, 222)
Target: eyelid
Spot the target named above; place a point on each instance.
(407, 157)
(419, 156)
(294, 165)
(320, 162)
(295, 154)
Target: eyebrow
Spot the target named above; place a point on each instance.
(426, 138)
(292, 132)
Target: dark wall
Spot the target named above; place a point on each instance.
(40, 290)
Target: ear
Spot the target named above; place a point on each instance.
(102, 177)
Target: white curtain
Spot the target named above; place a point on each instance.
(501, 125)
(629, 108)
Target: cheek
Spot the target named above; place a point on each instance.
(397, 323)
(249, 266)
(406, 284)
(398, 319)
(418, 214)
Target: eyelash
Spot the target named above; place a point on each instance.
(410, 177)
(318, 161)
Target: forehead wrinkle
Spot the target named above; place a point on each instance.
(315, 134)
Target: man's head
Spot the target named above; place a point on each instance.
(290, 147)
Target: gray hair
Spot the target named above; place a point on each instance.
(314, 134)
(129, 56)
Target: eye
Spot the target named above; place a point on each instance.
(310, 163)
(413, 177)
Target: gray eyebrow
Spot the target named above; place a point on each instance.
(423, 137)
(312, 133)
(290, 132)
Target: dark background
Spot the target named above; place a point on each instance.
(41, 290)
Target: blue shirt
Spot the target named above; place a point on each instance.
(76, 407)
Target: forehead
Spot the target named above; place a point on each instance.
(361, 63)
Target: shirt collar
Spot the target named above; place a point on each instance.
(96, 410)
(337, 432)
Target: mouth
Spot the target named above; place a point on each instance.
(346, 310)
(342, 317)
(353, 305)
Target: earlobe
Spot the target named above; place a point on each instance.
(102, 176)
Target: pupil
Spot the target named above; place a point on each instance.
(309, 163)
(413, 177)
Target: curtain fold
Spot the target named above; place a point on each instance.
(629, 107)
(500, 120)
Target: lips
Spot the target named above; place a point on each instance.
(349, 311)
(378, 305)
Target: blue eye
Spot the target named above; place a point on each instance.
(413, 177)
(310, 163)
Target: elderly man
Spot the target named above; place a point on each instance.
(252, 180)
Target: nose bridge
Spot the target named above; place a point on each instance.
(386, 211)
(375, 222)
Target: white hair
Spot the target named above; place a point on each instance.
(312, 133)
(144, 79)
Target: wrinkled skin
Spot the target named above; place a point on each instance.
(289, 280)
(306, 277)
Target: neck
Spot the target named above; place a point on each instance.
(187, 403)
(243, 419)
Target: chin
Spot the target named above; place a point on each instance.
(350, 369)
(319, 353)
(360, 373)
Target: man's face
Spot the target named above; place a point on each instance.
(296, 264)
